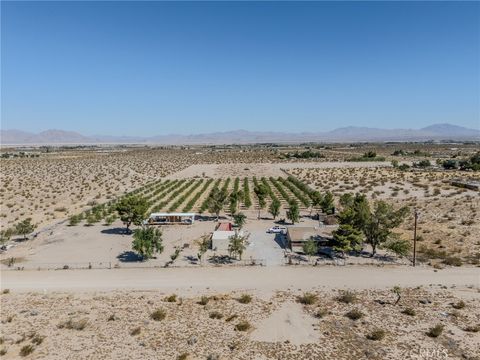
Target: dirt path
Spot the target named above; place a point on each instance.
(289, 323)
(263, 280)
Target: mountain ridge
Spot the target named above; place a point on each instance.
(443, 131)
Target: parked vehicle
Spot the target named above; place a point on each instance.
(277, 230)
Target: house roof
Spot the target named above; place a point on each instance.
(222, 235)
(304, 233)
(225, 226)
(171, 214)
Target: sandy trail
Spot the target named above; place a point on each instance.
(289, 323)
(263, 280)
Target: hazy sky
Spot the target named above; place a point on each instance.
(125, 68)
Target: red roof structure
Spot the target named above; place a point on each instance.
(224, 227)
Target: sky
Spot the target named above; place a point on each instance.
(154, 68)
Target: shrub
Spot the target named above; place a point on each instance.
(158, 315)
(204, 300)
(245, 299)
(347, 297)
(37, 339)
(135, 331)
(409, 312)
(472, 328)
(242, 326)
(459, 305)
(215, 315)
(435, 331)
(26, 350)
(5, 291)
(183, 356)
(72, 324)
(171, 298)
(354, 314)
(231, 317)
(453, 261)
(377, 334)
(320, 313)
(307, 298)
(3, 351)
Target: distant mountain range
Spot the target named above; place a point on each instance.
(346, 134)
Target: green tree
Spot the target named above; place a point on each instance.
(132, 210)
(216, 201)
(293, 213)
(24, 228)
(327, 203)
(239, 219)
(237, 245)
(261, 191)
(450, 164)
(310, 248)
(274, 208)
(377, 224)
(234, 199)
(382, 220)
(109, 220)
(91, 219)
(347, 239)
(5, 235)
(398, 246)
(346, 200)
(147, 241)
(74, 220)
(203, 246)
(356, 211)
(317, 199)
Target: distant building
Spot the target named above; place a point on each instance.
(299, 235)
(467, 184)
(171, 218)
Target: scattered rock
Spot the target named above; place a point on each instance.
(192, 340)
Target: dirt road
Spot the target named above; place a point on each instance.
(263, 280)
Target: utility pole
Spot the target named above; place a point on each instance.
(415, 238)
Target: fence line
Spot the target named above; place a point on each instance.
(295, 261)
(125, 265)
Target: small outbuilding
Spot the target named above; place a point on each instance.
(221, 240)
(221, 236)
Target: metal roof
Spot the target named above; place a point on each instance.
(222, 235)
(171, 214)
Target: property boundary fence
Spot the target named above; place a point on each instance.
(125, 265)
(295, 261)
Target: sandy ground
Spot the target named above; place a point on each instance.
(289, 323)
(118, 325)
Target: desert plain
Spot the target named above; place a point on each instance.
(77, 290)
